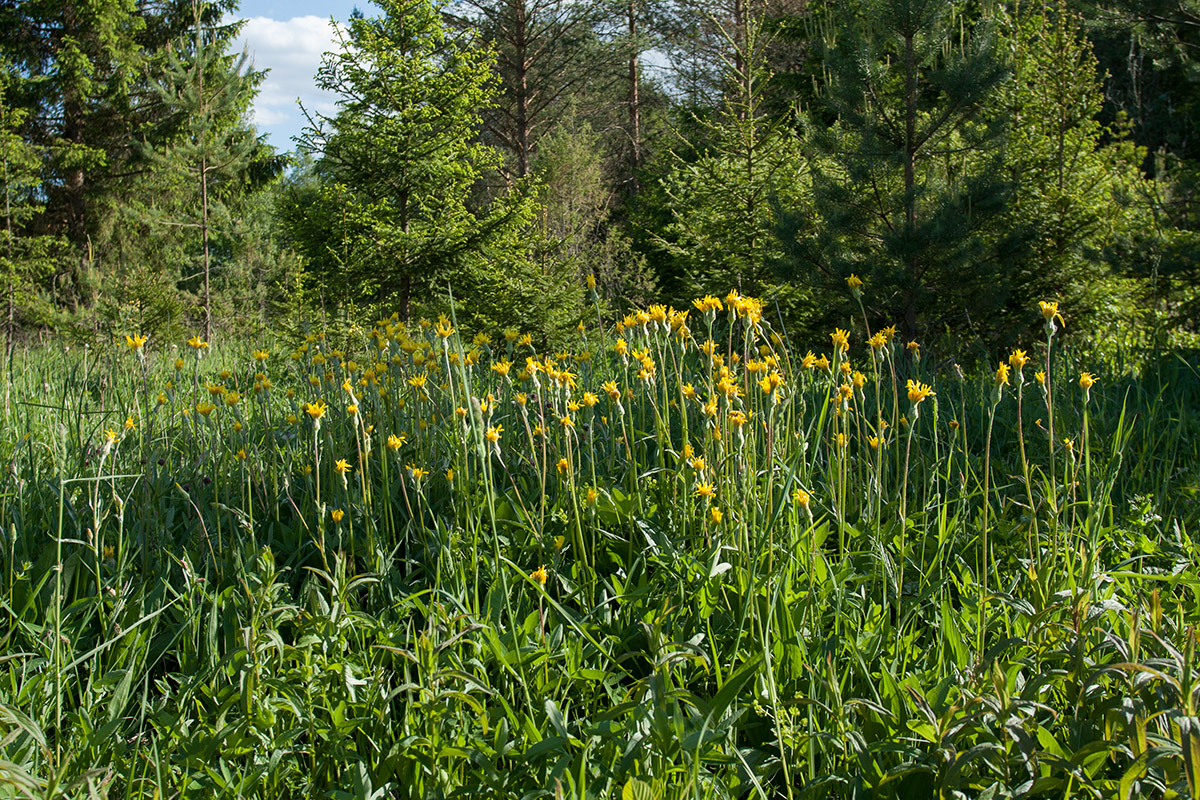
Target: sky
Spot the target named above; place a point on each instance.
(288, 37)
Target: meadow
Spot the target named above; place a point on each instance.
(685, 558)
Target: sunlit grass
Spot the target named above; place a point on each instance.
(684, 558)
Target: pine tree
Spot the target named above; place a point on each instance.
(209, 93)
(906, 187)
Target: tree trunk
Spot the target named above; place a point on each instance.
(635, 121)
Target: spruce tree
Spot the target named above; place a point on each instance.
(209, 94)
(723, 203)
(403, 157)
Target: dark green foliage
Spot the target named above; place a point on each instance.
(907, 184)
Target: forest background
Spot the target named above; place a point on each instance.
(965, 158)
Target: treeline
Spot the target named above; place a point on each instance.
(964, 158)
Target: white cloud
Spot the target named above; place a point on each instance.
(291, 50)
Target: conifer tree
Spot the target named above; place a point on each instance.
(724, 203)
(403, 158)
(209, 93)
(907, 181)
(24, 258)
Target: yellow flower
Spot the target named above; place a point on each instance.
(563, 466)
(917, 392)
(316, 410)
(801, 497)
(1040, 377)
(416, 472)
(241, 453)
(590, 399)
(130, 424)
(1049, 310)
(502, 367)
(352, 409)
(341, 466)
(705, 490)
(841, 339)
(707, 303)
(591, 281)
(526, 340)
(395, 442)
(205, 409)
(854, 282)
(540, 575)
(196, 343)
(737, 419)
(134, 342)
(878, 340)
(449, 476)
(178, 364)
(610, 388)
(714, 515)
(443, 328)
(337, 514)
(161, 399)
(237, 426)
(1002, 374)
(111, 436)
(493, 433)
(418, 381)
(232, 398)
(1018, 359)
(261, 355)
(591, 496)
(109, 551)
(511, 334)
(842, 440)
(873, 441)
(567, 423)
(1087, 380)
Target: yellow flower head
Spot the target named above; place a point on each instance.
(563, 466)
(540, 575)
(417, 473)
(261, 355)
(1002, 374)
(854, 282)
(316, 410)
(1018, 359)
(707, 303)
(205, 408)
(917, 392)
(1087, 380)
(705, 490)
(443, 328)
(1040, 377)
(502, 367)
(1049, 310)
(395, 442)
(493, 433)
(196, 343)
(337, 514)
(130, 424)
(135, 342)
(874, 442)
(841, 340)
(341, 466)
(877, 341)
(801, 498)
(591, 281)
(715, 515)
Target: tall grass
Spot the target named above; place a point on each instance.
(681, 560)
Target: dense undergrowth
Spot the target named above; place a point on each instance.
(682, 560)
